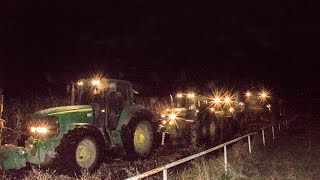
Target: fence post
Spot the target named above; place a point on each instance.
(165, 174)
(225, 158)
(272, 133)
(263, 139)
(279, 127)
(249, 142)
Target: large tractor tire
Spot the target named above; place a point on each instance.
(200, 130)
(228, 128)
(80, 149)
(138, 138)
(221, 136)
(214, 137)
(240, 124)
(194, 135)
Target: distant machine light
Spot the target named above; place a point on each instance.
(264, 95)
(241, 103)
(171, 122)
(172, 116)
(217, 100)
(163, 115)
(231, 110)
(95, 82)
(248, 94)
(80, 83)
(212, 109)
(191, 95)
(227, 100)
(179, 95)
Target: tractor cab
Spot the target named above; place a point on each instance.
(107, 96)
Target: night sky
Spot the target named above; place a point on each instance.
(50, 43)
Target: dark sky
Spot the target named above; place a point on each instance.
(48, 43)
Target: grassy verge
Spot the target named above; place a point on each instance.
(295, 154)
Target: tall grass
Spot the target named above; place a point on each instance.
(17, 113)
(295, 154)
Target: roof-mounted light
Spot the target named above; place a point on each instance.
(95, 82)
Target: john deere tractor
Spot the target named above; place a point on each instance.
(75, 137)
(211, 120)
(192, 121)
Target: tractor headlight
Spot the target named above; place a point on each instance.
(227, 100)
(21, 152)
(191, 95)
(95, 82)
(179, 95)
(217, 100)
(39, 126)
(172, 116)
(40, 130)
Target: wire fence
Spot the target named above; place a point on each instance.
(164, 169)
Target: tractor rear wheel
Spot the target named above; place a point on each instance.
(194, 136)
(138, 138)
(214, 133)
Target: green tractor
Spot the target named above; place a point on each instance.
(191, 121)
(75, 137)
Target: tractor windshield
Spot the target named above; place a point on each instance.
(115, 93)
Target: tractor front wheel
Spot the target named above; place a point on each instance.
(80, 149)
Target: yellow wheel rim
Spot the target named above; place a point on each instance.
(194, 137)
(212, 129)
(204, 130)
(86, 153)
(142, 138)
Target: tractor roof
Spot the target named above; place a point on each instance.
(103, 81)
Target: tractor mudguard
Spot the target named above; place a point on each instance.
(12, 157)
(127, 114)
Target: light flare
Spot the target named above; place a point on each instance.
(179, 95)
(172, 116)
(191, 95)
(263, 95)
(227, 100)
(40, 130)
(248, 94)
(95, 82)
(80, 83)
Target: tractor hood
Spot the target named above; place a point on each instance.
(64, 110)
(63, 118)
